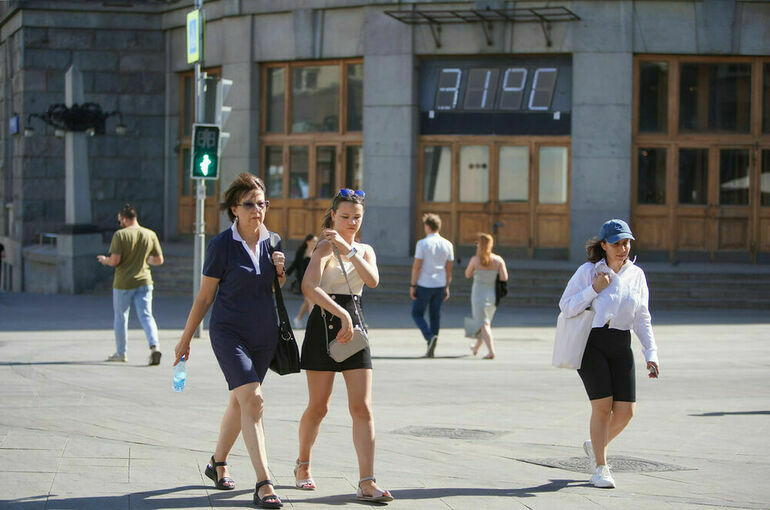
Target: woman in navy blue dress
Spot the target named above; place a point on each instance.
(239, 270)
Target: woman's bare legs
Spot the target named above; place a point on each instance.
(252, 404)
(229, 430)
(608, 419)
(486, 336)
(359, 385)
(319, 386)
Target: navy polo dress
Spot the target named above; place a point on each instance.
(244, 324)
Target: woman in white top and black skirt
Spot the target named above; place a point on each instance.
(334, 316)
(617, 290)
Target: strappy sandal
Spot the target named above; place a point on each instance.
(225, 483)
(307, 484)
(378, 496)
(269, 501)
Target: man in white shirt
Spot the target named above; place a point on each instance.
(431, 276)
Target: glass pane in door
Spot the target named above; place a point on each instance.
(764, 179)
(274, 172)
(437, 173)
(513, 174)
(324, 164)
(653, 97)
(552, 175)
(299, 164)
(651, 176)
(276, 94)
(693, 176)
(474, 173)
(354, 167)
(734, 177)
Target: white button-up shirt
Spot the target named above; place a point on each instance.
(435, 252)
(624, 303)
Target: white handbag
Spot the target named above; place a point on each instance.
(571, 338)
(339, 351)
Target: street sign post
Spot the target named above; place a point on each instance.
(193, 36)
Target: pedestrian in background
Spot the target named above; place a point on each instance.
(616, 288)
(334, 315)
(299, 266)
(485, 268)
(431, 276)
(132, 250)
(238, 276)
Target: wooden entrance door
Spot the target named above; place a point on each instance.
(702, 201)
(513, 187)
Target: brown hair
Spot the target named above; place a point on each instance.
(336, 201)
(432, 220)
(594, 250)
(484, 248)
(127, 212)
(244, 183)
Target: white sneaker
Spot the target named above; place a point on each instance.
(117, 357)
(602, 478)
(588, 447)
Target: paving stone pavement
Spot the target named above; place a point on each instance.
(454, 432)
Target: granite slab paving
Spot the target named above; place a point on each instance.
(454, 432)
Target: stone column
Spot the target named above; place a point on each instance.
(390, 133)
(602, 69)
(78, 241)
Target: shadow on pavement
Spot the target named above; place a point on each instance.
(522, 492)
(733, 413)
(150, 500)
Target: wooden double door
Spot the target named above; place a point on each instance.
(516, 188)
(709, 202)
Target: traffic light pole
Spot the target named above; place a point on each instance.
(200, 186)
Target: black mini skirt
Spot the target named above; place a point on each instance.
(315, 355)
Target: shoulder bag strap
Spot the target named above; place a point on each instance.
(352, 296)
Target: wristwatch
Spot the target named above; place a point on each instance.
(351, 253)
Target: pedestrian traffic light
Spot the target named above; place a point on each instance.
(205, 152)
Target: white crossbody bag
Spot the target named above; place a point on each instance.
(339, 351)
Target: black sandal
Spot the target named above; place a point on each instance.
(269, 501)
(225, 483)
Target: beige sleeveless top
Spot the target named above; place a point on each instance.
(333, 281)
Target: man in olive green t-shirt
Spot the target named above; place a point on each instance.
(132, 251)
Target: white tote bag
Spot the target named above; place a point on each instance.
(571, 338)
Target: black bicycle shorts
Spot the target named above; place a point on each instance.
(607, 369)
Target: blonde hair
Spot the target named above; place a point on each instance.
(484, 249)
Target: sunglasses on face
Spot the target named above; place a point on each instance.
(255, 205)
(347, 193)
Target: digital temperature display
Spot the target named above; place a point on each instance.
(500, 89)
(522, 95)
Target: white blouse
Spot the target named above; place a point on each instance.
(624, 303)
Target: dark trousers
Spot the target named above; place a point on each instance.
(430, 298)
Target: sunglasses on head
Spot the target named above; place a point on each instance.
(348, 193)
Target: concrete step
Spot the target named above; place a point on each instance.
(534, 284)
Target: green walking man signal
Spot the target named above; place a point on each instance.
(205, 152)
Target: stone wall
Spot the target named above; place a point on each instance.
(123, 66)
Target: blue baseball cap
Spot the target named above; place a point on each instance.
(614, 230)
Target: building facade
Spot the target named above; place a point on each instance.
(536, 121)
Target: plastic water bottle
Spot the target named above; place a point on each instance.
(180, 375)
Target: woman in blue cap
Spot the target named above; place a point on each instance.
(617, 290)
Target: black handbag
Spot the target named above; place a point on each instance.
(501, 290)
(286, 357)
